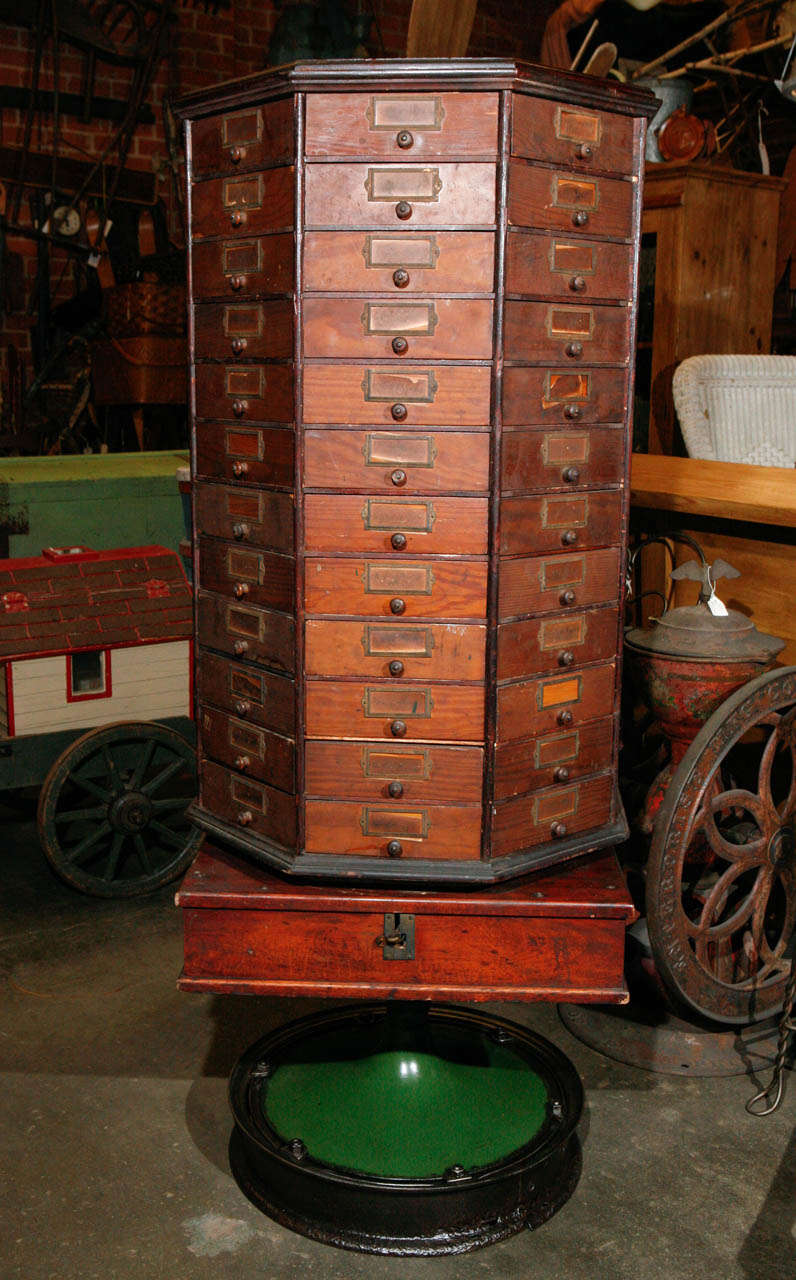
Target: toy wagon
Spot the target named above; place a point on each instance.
(96, 709)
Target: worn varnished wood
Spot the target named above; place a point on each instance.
(563, 266)
(243, 205)
(427, 773)
(550, 460)
(243, 267)
(248, 749)
(553, 702)
(338, 195)
(259, 697)
(244, 393)
(422, 830)
(248, 803)
(545, 523)
(244, 331)
(557, 332)
(371, 709)
(433, 328)
(425, 588)
(437, 262)
(248, 574)
(251, 454)
(243, 630)
(559, 132)
(532, 645)
(535, 584)
(561, 395)
(398, 462)
(242, 141)
(566, 754)
(431, 651)
(555, 198)
(441, 125)
(253, 517)
(438, 526)
(566, 809)
(437, 395)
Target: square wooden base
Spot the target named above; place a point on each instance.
(555, 935)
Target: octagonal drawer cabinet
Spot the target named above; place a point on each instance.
(412, 317)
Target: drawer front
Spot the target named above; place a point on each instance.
(559, 583)
(242, 268)
(557, 643)
(400, 650)
(244, 330)
(560, 756)
(399, 197)
(259, 635)
(246, 574)
(244, 205)
(396, 588)
(569, 202)
(397, 831)
(547, 332)
(394, 711)
(380, 328)
(562, 459)
(253, 455)
(568, 134)
(582, 520)
(417, 774)
(248, 516)
(238, 141)
(439, 526)
(401, 126)
(402, 461)
(567, 267)
(431, 262)
(248, 804)
(411, 395)
(552, 814)
(245, 393)
(251, 695)
(248, 749)
(562, 397)
(555, 702)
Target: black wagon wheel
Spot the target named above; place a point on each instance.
(721, 875)
(112, 810)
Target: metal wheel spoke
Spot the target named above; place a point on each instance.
(82, 815)
(78, 852)
(725, 801)
(713, 905)
(142, 765)
(114, 854)
(766, 763)
(154, 784)
(142, 851)
(168, 836)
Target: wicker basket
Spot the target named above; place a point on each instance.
(144, 307)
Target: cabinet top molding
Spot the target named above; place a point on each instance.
(464, 74)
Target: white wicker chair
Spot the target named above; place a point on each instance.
(738, 408)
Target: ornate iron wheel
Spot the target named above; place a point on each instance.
(112, 810)
(721, 876)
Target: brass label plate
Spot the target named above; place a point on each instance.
(554, 633)
(565, 513)
(415, 386)
(559, 748)
(413, 517)
(553, 693)
(578, 126)
(401, 251)
(419, 319)
(242, 257)
(413, 824)
(419, 185)
(400, 579)
(395, 112)
(397, 642)
(243, 193)
(243, 322)
(383, 449)
(402, 704)
(386, 763)
(559, 804)
(241, 128)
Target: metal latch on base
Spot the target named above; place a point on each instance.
(398, 940)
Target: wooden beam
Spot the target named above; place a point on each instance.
(135, 186)
(728, 490)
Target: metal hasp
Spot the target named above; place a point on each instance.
(403, 1128)
(398, 940)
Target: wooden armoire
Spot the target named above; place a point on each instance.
(412, 327)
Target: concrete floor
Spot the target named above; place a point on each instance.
(115, 1127)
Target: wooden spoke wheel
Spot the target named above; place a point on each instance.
(721, 876)
(112, 810)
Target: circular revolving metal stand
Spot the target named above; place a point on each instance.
(397, 1129)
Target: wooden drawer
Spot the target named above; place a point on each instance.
(395, 588)
(433, 713)
(250, 576)
(569, 134)
(555, 702)
(551, 397)
(406, 461)
(248, 749)
(559, 583)
(243, 268)
(400, 196)
(254, 455)
(562, 459)
(244, 330)
(241, 140)
(418, 774)
(252, 695)
(567, 266)
(393, 830)
(401, 126)
(254, 392)
(534, 645)
(560, 756)
(569, 202)
(381, 328)
(432, 652)
(442, 526)
(434, 262)
(414, 396)
(259, 635)
(250, 516)
(546, 332)
(552, 814)
(243, 205)
(592, 519)
(251, 806)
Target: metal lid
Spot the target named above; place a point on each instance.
(694, 632)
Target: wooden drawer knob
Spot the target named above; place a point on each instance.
(240, 647)
(569, 537)
(583, 151)
(395, 790)
(561, 774)
(240, 531)
(240, 468)
(398, 729)
(245, 817)
(573, 412)
(238, 345)
(404, 139)
(240, 590)
(400, 277)
(236, 155)
(236, 218)
(403, 210)
(242, 708)
(574, 350)
(567, 597)
(577, 284)
(242, 763)
(398, 541)
(397, 605)
(558, 830)
(398, 477)
(239, 408)
(564, 717)
(237, 283)
(399, 412)
(566, 658)
(396, 667)
(571, 475)
(580, 218)
(400, 346)
(394, 849)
